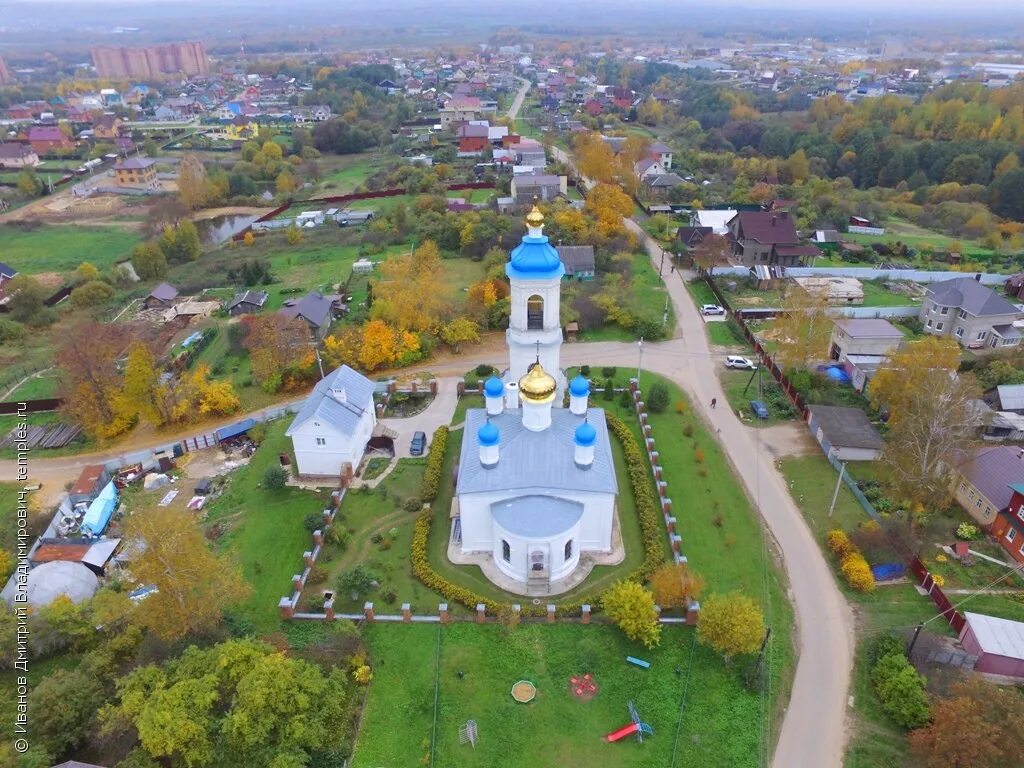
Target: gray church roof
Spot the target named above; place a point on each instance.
(534, 517)
(536, 459)
(970, 296)
(339, 400)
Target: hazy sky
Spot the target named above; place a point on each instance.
(957, 7)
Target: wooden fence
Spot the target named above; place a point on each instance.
(31, 406)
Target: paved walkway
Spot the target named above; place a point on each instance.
(440, 411)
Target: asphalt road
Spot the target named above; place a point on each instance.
(517, 102)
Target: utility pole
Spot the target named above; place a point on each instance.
(835, 495)
(639, 360)
(661, 266)
(913, 640)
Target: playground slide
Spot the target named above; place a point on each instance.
(622, 732)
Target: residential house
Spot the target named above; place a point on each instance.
(108, 127)
(77, 764)
(330, 432)
(1008, 527)
(982, 482)
(16, 155)
(976, 316)
(7, 273)
(762, 237)
(872, 336)
(527, 187)
(662, 153)
(315, 309)
(247, 303)
(1011, 397)
(647, 168)
(46, 139)
(459, 109)
(472, 146)
(19, 112)
(845, 433)
(997, 643)
(689, 238)
(661, 184)
(578, 261)
(161, 297)
(135, 172)
(716, 221)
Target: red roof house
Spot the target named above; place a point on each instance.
(48, 138)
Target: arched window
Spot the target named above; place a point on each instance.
(568, 550)
(506, 551)
(535, 313)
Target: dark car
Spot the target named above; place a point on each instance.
(759, 409)
(419, 444)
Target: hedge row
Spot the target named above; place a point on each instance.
(900, 688)
(435, 465)
(647, 508)
(852, 564)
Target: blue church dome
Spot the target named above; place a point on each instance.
(579, 386)
(534, 258)
(586, 435)
(493, 387)
(488, 434)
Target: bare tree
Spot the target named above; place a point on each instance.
(712, 251)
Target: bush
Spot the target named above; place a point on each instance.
(857, 572)
(839, 543)
(275, 477)
(609, 371)
(435, 465)
(313, 522)
(967, 532)
(626, 399)
(584, 370)
(609, 389)
(412, 504)
(484, 369)
(317, 575)
(657, 398)
(900, 688)
(337, 536)
(883, 645)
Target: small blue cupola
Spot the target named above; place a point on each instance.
(534, 258)
(494, 396)
(579, 391)
(488, 438)
(585, 439)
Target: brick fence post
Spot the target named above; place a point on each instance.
(285, 609)
(307, 556)
(318, 537)
(676, 542)
(460, 388)
(406, 612)
(666, 505)
(481, 613)
(368, 611)
(442, 611)
(329, 609)
(585, 618)
(662, 488)
(693, 613)
(551, 613)
(671, 523)
(328, 516)
(433, 387)
(297, 584)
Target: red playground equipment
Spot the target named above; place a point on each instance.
(637, 727)
(583, 687)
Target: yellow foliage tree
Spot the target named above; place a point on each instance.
(411, 294)
(804, 327)
(731, 624)
(293, 235)
(460, 331)
(608, 204)
(594, 158)
(631, 607)
(674, 584)
(248, 239)
(379, 347)
(908, 374)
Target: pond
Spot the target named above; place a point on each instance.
(218, 229)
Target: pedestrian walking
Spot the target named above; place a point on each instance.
(714, 401)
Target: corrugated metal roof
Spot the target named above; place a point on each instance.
(339, 400)
(536, 460)
(1000, 637)
(992, 470)
(1011, 396)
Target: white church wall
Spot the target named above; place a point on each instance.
(521, 549)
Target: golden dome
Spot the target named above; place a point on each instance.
(537, 386)
(535, 218)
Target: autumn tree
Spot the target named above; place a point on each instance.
(411, 294)
(91, 384)
(908, 373)
(274, 343)
(85, 273)
(293, 235)
(285, 183)
(804, 327)
(194, 585)
(180, 244)
(594, 158)
(28, 183)
(459, 331)
(192, 190)
(141, 388)
(631, 607)
(714, 250)
(608, 204)
(91, 294)
(675, 584)
(26, 300)
(149, 261)
(63, 708)
(969, 728)
(731, 624)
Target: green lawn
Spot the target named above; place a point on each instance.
(719, 725)
(264, 530)
(877, 295)
(913, 236)
(352, 171)
(727, 334)
(36, 388)
(743, 386)
(9, 516)
(57, 248)
(701, 292)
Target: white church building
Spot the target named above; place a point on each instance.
(330, 432)
(536, 484)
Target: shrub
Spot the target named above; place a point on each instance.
(900, 688)
(585, 370)
(435, 465)
(688, 430)
(626, 399)
(389, 597)
(967, 532)
(317, 575)
(275, 477)
(484, 369)
(657, 398)
(609, 389)
(857, 572)
(313, 521)
(337, 536)
(609, 371)
(377, 538)
(883, 645)
(631, 607)
(839, 543)
(412, 504)
(698, 456)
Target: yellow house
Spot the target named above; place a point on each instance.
(135, 172)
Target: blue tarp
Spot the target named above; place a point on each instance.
(234, 430)
(102, 507)
(887, 571)
(836, 373)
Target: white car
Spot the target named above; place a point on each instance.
(711, 309)
(740, 363)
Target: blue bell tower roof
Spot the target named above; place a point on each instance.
(534, 258)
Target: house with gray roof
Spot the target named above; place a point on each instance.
(247, 303)
(527, 187)
(981, 483)
(330, 432)
(161, 297)
(846, 433)
(578, 261)
(315, 309)
(973, 314)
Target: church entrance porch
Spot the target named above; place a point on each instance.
(485, 561)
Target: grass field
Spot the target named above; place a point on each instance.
(36, 388)
(727, 334)
(718, 727)
(57, 248)
(743, 386)
(918, 238)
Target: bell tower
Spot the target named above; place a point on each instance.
(535, 330)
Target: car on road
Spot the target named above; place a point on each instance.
(759, 409)
(419, 444)
(740, 363)
(711, 309)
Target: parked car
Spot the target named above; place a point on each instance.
(759, 409)
(740, 363)
(419, 444)
(711, 309)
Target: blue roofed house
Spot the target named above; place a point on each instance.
(330, 432)
(536, 489)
